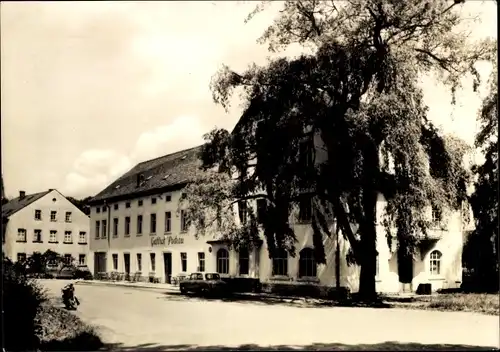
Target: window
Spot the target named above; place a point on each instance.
(244, 261)
(435, 263)
(183, 195)
(223, 261)
(152, 228)
(115, 262)
(306, 153)
(104, 229)
(127, 226)
(307, 263)
(97, 229)
(127, 205)
(82, 238)
(68, 216)
(21, 257)
(139, 262)
(436, 215)
(139, 203)
(261, 210)
(184, 221)
(37, 237)
(98, 210)
(139, 224)
(21, 235)
(53, 215)
(305, 209)
(168, 221)
(53, 236)
(153, 200)
(68, 259)
(184, 261)
(68, 238)
(152, 257)
(104, 209)
(38, 214)
(280, 263)
(81, 259)
(242, 212)
(201, 261)
(115, 227)
(168, 198)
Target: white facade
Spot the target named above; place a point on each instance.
(50, 222)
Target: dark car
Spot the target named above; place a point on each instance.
(203, 283)
(67, 272)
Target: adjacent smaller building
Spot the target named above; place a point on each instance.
(42, 221)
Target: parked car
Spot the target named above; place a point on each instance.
(203, 283)
(67, 272)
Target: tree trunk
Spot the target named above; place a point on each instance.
(368, 230)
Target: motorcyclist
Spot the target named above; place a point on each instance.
(69, 293)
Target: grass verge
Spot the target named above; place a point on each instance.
(484, 303)
(64, 331)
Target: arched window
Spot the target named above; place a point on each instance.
(307, 263)
(435, 262)
(223, 261)
(280, 263)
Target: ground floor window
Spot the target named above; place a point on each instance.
(307, 263)
(184, 262)
(152, 256)
(201, 261)
(68, 259)
(21, 257)
(81, 259)
(223, 261)
(115, 262)
(244, 261)
(139, 262)
(280, 263)
(435, 262)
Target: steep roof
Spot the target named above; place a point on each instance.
(165, 172)
(16, 204)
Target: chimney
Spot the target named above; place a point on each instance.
(140, 179)
(51, 189)
(22, 194)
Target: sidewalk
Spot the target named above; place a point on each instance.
(144, 285)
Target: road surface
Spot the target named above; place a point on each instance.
(148, 320)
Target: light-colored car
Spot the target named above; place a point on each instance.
(203, 283)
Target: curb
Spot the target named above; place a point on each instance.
(90, 283)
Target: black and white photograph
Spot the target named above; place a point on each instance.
(249, 175)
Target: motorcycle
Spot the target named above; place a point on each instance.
(68, 296)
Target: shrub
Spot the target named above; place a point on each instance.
(22, 301)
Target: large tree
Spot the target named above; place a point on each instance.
(481, 251)
(359, 93)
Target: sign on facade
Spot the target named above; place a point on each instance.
(166, 240)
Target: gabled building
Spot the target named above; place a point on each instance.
(42, 221)
(137, 231)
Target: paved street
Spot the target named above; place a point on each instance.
(139, 319)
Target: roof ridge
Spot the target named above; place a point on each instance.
(171, 154)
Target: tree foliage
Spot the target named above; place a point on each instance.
(81, 204)
(357, 103)
(481, 251)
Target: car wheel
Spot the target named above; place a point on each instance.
(183, 290)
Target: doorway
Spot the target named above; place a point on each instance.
(167, 265)
(126, 261)
(405, 271)
(99, 263)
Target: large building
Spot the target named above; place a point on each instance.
(138, 230)
(42, 221)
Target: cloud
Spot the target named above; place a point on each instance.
(94, 169)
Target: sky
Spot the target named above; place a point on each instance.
(89, 89)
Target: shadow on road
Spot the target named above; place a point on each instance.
(263, 299)
(385, 346)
